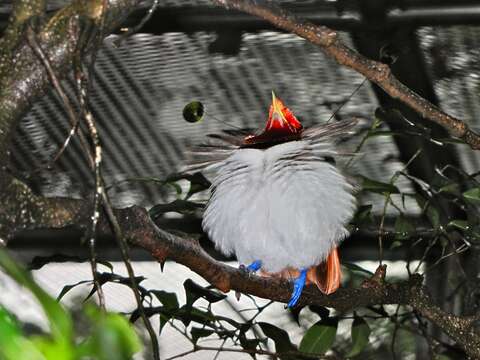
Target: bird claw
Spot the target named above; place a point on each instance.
(298, 286)
(252, 268)
(248, 270)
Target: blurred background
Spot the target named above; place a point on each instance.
(192, 50)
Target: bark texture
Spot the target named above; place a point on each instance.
(23, 79)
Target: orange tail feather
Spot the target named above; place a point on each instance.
(327, 275)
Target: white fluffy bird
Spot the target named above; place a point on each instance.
(278, 203)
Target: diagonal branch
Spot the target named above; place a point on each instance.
(141, 231)
(375, 71)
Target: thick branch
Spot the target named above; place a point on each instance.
(23, 10)
(140, 230)
(375, 71)
(22, 79)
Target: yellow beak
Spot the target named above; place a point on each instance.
(277, 114)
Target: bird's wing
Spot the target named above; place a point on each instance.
(330, 133)
(214, 150)
(325, 140)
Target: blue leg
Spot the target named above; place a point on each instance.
(255, 266)
(297, 288)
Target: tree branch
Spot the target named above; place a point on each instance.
(375, 71)
(141, 231)
(22, 79)
(23, 11)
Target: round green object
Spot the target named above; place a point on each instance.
(193, 112)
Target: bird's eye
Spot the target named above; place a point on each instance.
(193, 112)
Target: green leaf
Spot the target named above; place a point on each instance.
(198, 333)
(377, 186)
(452, 188)
(168, 299)
(459, 224)
(354, 267)
(198, 183)
(319, 338)
(384, 133)
(67, 288)
(363, 215)
(193, 112)
(249, 344)
(360, 333)
(105, 277)
(179, 206)
(187, 313)
(452, 141)
(112, 337)
(321, 311)
(403, 228)
(473, 195)
(59, 319)
(175, 186)
(13, 345)
(279, 336)
(161, 311)
(395, 244)
(433, 215)
(193, 292)
(107, 264)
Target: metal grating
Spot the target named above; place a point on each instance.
(452, 55)
(141, 88)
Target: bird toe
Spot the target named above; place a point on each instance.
(298, 286)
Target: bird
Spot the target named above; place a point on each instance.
(278, 202)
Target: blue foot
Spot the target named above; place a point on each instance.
(252, 268)
(255, 266)
(297, 288)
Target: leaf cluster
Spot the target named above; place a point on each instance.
(109, 335)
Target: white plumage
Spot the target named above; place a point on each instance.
(284, 205)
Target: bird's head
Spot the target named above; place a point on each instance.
(281, 126)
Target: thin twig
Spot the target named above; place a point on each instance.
(334, 114)
(424, 330)
(106, 203)
(220, 349)
(394, 334)
(74, 120)
(101, 196)
(81, 82)
(87, 115)
(388, 200)
(381, 227)
(137, 27)
(34, 45)
(124, 250)
(253, 351)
